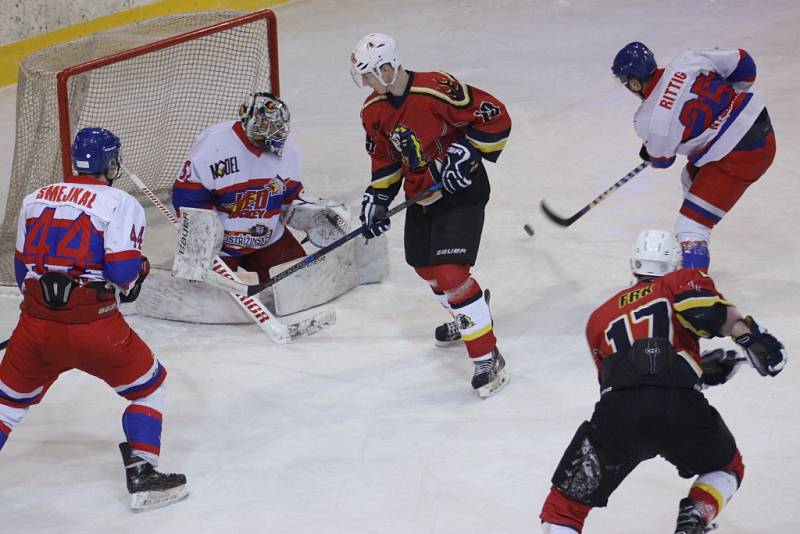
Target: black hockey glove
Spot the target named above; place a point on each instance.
(643, 153)
(719, 366)
(764, 351)
(134, 291)
(461, 160)
(374, 208)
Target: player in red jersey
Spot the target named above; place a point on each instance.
(644, 341)
(78, 254)
(422, 128)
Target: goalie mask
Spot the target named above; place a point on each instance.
(655, 253)
(265, 119)
(373, 51)
(97, 151)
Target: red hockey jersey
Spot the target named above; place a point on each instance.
(658, 307)
(407, 135)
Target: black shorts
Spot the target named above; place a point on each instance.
(449, 230)
(632, 425)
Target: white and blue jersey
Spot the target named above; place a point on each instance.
(698, 106)
(245, 185)
(83, 227)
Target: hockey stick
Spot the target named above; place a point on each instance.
(244, 289)
(4, 343)
(561, 221)
(258, 313)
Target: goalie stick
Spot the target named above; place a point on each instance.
(561, 221)
(244, 289)
(278, 332)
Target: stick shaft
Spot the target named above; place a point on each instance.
(567, 221)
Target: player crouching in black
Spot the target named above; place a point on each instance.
(644, 341)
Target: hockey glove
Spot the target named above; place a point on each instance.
(374, 209)
(643, 153)
(719, 366)
(133, 292)
(765, 352)
(461, 160)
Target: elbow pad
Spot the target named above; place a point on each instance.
(702, 312)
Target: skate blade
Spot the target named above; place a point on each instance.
(144, 501)
(445, 344)
(494, 386)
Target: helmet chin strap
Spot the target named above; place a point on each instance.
(379, 75)
(116, 170)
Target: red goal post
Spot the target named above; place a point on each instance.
(156, 84)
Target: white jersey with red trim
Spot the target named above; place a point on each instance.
(246, 186)
(698, 106)
(85, 228)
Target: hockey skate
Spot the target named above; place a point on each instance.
(150, 489)
(448, 334)
(490, 375)
(689, 519)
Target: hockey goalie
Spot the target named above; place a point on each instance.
(246, 172)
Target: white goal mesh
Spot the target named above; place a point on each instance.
(156, 84)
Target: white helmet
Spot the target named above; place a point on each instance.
(655, 253)
(373, 51)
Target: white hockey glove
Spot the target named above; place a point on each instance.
(719, 366)
(461, 160)
(324, 221)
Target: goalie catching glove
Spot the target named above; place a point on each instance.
(324, 221)
(763, 350)
(719, 366)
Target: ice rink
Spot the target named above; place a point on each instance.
(369, 428)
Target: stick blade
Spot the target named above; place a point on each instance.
(561, 221)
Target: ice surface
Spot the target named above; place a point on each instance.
(367, 427)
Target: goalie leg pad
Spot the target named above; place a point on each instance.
(285, 249)
(200, 235)
(327, 278)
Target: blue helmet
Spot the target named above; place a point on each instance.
(636, 60)
(95, 151)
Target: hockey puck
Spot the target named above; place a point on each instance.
(528, 229)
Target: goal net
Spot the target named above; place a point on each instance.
(156, 84)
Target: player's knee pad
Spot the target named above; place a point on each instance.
(736, 466)
(549, 528)
(455, 281)
(562, 515)
(585, 473)
(687, 229)
(694, 238)
(9, 418)
(428, 274)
